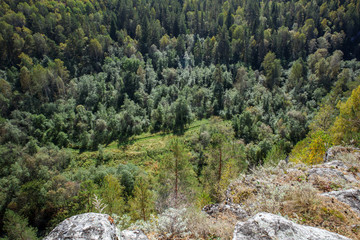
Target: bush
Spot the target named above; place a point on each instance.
(173, 223)
(312, 149)
(347, 125)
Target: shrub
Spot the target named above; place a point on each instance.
(347, 125)
(172, 223)
(312, 149)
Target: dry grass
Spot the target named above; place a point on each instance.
(194, 225)
(203, 227)
(350, 159)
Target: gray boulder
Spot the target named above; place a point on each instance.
(228, 208)
(86, 226)
(89, 226)
(332, 171)
(350, 197)
(266, 226)
(330, 175)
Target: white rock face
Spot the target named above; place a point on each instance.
(92, 226)
(87, 226)
(266, 226)
(350, 197)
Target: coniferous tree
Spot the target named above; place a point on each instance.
(176, 177)
(112, 195)
(16, 227)
(142, 203)
(272, 69)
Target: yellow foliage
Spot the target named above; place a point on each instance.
(164, 41)
(312, 149)
(227, 174)
(347, 124)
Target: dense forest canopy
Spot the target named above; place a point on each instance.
(81, 75)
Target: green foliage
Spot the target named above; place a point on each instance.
(142, 203)
(128, 173)
(176, 177)
(16, 227)
(183, 115)
(272, 69)
(112, 194)
(312, 149)
(225, 159)
(130, 121)
(276, 153)
(245, 126)
(86, 193)
(161, 66)
(297, 74)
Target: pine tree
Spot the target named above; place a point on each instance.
(141, 204)
(17, 227)
(272, 68)
(176, 177)
(112, 195)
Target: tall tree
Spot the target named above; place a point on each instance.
(223, 46)
(218, 90)
(112, 194)
(183, 115)
(176, 176)
(272, 69)
(142, 203)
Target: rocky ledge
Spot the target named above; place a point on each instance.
(266, 226)
(350, 197)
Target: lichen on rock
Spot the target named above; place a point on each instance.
(86, 226)
(266, 226)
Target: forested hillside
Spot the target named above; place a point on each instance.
(214, 88)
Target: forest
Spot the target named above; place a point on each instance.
(136, 106)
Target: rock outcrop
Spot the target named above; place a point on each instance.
(335, 164)
(332, 171)
(86, 226)
(330, 175)
(133, 235)
(92, 226)
(350, 197)
(331, 153)
(225, 208)
(266, 226)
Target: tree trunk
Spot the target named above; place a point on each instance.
(176, 178)
(220, 163)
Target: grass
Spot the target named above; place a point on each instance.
(143, 150)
